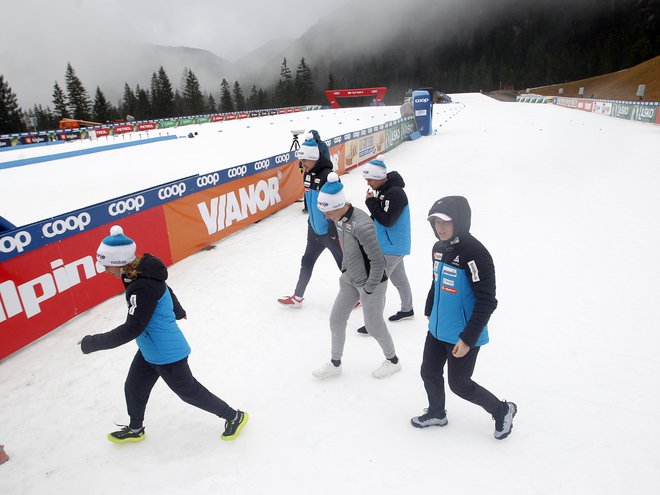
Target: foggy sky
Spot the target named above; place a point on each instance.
(39, 37)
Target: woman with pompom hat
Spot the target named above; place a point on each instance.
(162, 349)
(363, 279)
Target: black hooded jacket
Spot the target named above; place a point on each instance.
(387, 205)
(148, 288)
(464, 252)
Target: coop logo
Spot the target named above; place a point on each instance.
(126, 205)
(422, 100)
(224, 210)
(18, 242)
(51, 229)
(347, 137)
(31, 295)
(239, 171)
(279, 159)
(336, 140)
(171, 191)
(208, 180)
(262, 164)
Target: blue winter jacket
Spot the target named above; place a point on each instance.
(391, 214)
(462, 295)
(151, 320)
(313, 181)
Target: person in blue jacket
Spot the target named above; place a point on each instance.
(321, 232)
(459, 305)
(162, 349)
(388, 204)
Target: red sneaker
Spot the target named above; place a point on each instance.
(291, 301)
(3, 456)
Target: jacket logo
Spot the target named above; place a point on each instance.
(456, 261)
(449, 271)
(133, 302)
(437, 256)
(474, 271)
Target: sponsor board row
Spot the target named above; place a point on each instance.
(47, 270)
(641, 112)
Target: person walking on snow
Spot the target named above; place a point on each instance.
(459, 305)
(363, 278)
(388, 204)
(321, 233)
(162, 349)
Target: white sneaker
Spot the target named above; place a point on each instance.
(386, 369)
(327, 370)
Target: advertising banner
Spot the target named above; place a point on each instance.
(622, 111)
(68, 136)
(146, 126)
(645, 113)
(123, 129)
(217, 118)
(5, 143)
(338, 158)
(205, 217)
(45, 288)
(603, 107)
(103, 131)
(364, 148)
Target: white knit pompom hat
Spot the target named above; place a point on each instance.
(115, 250)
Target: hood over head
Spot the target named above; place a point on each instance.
(455, 207)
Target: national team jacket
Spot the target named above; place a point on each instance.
(313, 181)
(151, 320)
(462, 295)
(391, 214)
(363, 259)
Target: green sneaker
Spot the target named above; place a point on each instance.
(126, 435)
(233, 428)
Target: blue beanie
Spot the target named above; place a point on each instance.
(375, 169)
(309, 150)
(331, 196)
(115, 250)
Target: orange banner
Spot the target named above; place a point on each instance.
(200, 219)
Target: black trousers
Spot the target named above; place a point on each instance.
(459, 373)
(315, 246)
(142, 376)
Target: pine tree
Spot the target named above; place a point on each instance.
(142, 104)
(192, 94)
(129, 101)
(180, 107)
(284, 89)
(252, 102)
(331, 81)
(102, 110)
(10, 113)
(59, 102)
(304, 84)
(210, 106)
(79, 102)
(162, 95)
(226, 103)
(238, 98)
(45, 118)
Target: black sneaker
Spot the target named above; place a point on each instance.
(126, 435)
(504, 423)
(362, 331)
(402, 315)
(429, 419)
(233, 428)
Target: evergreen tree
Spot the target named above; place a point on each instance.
(226, 103)
(10, 114)
(284, 89)
(331, 81)
(252, 102)
(210, 106)
(238, 98)
(262, 99)
(180, 107)
(142, 104)
(59, 102)
(304, 84)
(79, 102)
(45, 118)
(129, 101)
(162, 95)
(192, 94)
(102, 110)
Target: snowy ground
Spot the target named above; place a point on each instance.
(558, 196)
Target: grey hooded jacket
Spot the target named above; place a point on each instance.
(363, 259)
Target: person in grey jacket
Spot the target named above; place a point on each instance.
(363, 278)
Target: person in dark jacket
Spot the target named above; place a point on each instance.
(321, 233)
(388, 205)
(162, 349)
(459, 305)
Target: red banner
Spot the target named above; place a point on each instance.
(104, 131)
(123, 129)
(231, 116)
(217, 118)
(45, 288)
(146, 126)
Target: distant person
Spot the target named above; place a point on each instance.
(459, 305)
(363, 278)
(162, 349)
(323, 150)
(321, 233)
(388, 204)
